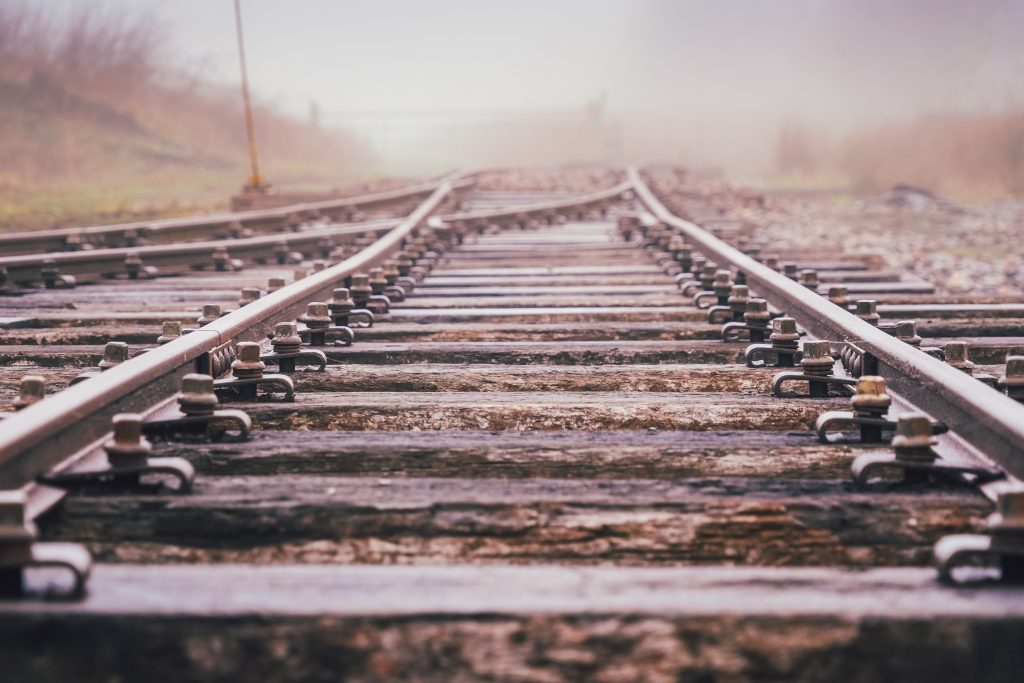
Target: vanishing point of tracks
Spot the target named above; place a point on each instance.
(454, 434)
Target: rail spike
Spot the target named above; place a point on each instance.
(19, 551)
(200, 418)
(817, 362)
(995, 556)
(248, 377)
(782, 352)
(128, 459)
(914, 461)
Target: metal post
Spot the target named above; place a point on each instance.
(255, 180)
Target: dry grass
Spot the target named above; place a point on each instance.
(971, 158)
(98, 123)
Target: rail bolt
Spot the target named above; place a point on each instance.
(757, 317)
(114, 353)
(361, 290)
(809, 279)
(722, 286)
(957, 356)
(247, 363)
(274, 284)
(817, 358)
(839, 295)
(378, 283)
(249, 295)
(32, 389)
(914, 438)
(906, 331)
(1012, 381)
(791, 270)
(221, 259)
(197, 396)
(169, 331)
(19, 551)
(210, 313)
(281, 252)
(318, 321)
(299, 274)
(340, 306)
(286, 339)
(128, 448)
(871, 396)
(319, 265)
(133, 264)
(867, 310)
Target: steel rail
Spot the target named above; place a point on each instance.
(26, 268)
(64, 426)
(540, 209)
(987, 420)
(97, 263)
(174, 229)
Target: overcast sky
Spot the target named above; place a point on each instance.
(844, 59)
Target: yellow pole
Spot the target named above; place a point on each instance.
(255, 180)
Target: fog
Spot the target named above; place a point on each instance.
(746, 86)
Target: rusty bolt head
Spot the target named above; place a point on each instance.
(784, 330)
(317, 316)
(839, 295)
(32, 389)
(914, 430)
(739, 295)
(247, 363)
(169, 331)
(723, 278)
(274, 284)
(676, 242)
(871, 394)
(286, 330)
(197, 396)
(319, 265)
(817, 354)
(360, 281)
(708, 271)
(249, 295)
(790, 270)
(298, 274)
(1012, 381)
(772, 261)
(957, 355)
(809, 279)
(210, 313)
(14, 525)
(286, 338)
(1009, 514)
(867, 310)
(114, 352)
(757, 312)
(128, 445)
(906, 331)
(341, 297)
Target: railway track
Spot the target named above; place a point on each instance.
(502, 436)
